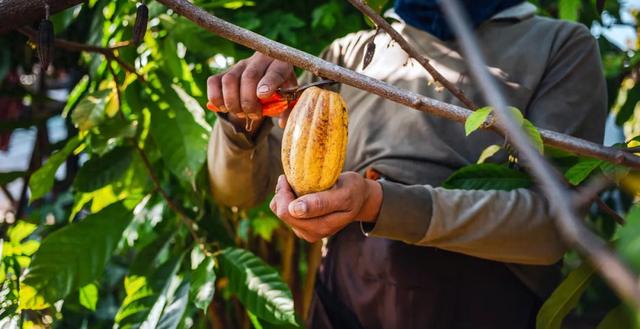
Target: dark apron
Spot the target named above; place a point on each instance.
(367, 282)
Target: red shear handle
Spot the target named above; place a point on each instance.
(272, 106)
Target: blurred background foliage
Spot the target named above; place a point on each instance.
(110, 223)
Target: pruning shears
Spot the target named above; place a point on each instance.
(282, 99)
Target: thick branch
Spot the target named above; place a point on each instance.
(17, 13)
(571, 228)
(331, 71)
(413, 52)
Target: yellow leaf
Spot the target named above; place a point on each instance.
(30, 299)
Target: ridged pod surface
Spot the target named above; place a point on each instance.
(314, 143)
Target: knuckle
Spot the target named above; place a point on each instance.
(250, 74)
(247, 104)
(281, 213)
(229, 78)
(318, 203)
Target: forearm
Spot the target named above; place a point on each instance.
(508, 226)
(242, 167)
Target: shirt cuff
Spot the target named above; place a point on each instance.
(239, 137)
(404, 215)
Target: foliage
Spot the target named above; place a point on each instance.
(116, 238)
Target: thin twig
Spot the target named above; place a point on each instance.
(108, 52)
(8, 195)
(610, 212)
(187, 221)
(412, 52)
(571, 228)
(410, 99)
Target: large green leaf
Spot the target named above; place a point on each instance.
(564, 298)
(569, 9)
(621, 317)
(629, 238)
(41, 181)
(581, 170)
(146, 296)
(174, 308)
(181, 138)
(88, 296)
(73, 256)
(102, 171)
(77, 92)
(258, 286)
(203, 280)
(91, 109)
(487, 176)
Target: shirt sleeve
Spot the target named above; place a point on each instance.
(243, 169)
(508, 226)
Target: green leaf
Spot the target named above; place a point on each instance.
(182, 140)
(564, 298)
(534, 135)
(20, 230)
(8, 177)
(258, 286)
(620, 317)
(569, 9)
(476, 119)
(88, 296)
(91, 109)
(581, 170)
(41, 181)
(487, 176)
(627, 109)
(264, 225)
(146, 296)
(488, 152)
(78, 91)
(203, 287)
(102, 171)
(73, 256)
(629, 238)
(175, 307)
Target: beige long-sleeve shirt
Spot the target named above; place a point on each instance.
(549, 69)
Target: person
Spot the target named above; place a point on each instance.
(403, 252)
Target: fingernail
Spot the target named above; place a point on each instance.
(263, 89)
(299, 208)
(253, 116)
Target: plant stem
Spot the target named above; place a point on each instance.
(412, 52)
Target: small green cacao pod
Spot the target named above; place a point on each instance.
(45, 43)
(140, 26)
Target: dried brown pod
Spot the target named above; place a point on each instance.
(368, 54)
(45, 43)
(140, 26)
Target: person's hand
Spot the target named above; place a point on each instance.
(237, 90)
(318, 215)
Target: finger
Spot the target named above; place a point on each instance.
(231, 89)
(277, 74)
(252, 74)
(214, 92)
(284, 196)
(291, 81)
(337, 199)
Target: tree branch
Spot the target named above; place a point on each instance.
(571, 228)
(191, 224)
(108, 52)
(332, 71)
(412, 52)
(17, 13)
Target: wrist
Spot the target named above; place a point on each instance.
(372, 203)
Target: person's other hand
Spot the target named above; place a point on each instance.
(237, 90)
(318, 215)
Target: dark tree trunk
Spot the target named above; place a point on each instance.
(17, 13)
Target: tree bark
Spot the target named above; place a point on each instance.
(17, 13)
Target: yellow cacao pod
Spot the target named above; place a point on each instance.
(314, 143)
